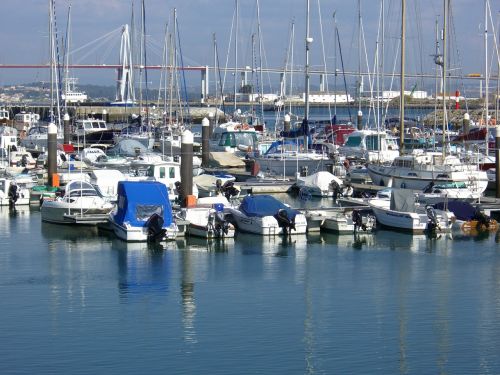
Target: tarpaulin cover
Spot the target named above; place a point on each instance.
(264, 205)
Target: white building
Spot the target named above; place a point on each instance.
(417, 94)
(323, 97)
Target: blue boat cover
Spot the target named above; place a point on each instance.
(138, 200)
(264, 205)
(462, 210)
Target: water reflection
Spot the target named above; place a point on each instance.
(188, 298)
(143, 268)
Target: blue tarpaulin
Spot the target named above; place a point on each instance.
(138, 200)
(264, 205)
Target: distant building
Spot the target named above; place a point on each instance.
(323, 97)
(417, 94)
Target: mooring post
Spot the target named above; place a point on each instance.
(497, 161)
(51, 153)
(186, 167)
(211, 127)
(67, 128)
(360, 120)
(286, 123)
(205, 142)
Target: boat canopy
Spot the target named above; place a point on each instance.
(402, 200)
(264, 205)
(138, 200)
(462, 210)
(127, 147)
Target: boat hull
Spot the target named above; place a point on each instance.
(265, 226)
(130, 233)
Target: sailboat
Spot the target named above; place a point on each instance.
(419, 169)
(290, 155)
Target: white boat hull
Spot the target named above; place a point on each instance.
(265, 226)
(409, 221)
(475, 181)
(129, 233)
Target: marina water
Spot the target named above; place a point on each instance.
(79, 301)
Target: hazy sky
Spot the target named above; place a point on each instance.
(23, 35)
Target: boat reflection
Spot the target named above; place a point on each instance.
(143, 268)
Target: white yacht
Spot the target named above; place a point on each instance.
(234, 137)
(418, 170)
(371, 146)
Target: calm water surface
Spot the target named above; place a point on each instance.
(75, 301)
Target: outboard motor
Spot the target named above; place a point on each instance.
(13, 195)
(284, 221)
(156, 232)
(221, 226)
(24, 161)
(432, 223)
(229, 190)
(357, 220)
(428, 188)
(336, 189)
(483, 221)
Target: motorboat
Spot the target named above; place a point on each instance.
(207, 219)
(288, 158)
(371, 146)
(212, 184)
(92, 131)
(469, 218)
(143, 212)
(417, 170)
(36, 137)
(136, 132)
(15, 191)
(402, 212)
(340, 220)
(319, 184)
(265, 215)
(80, 204)
(234, 137)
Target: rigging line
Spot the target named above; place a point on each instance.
(183, 72)
(228, 52)
(105, 36)
(343, 74)
(144, 36)
(216, 51)
(324, 58)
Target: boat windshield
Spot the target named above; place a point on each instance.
(144, 211)
(372, 142)
(238, 139)
(38, 130)
(2, 185)
(353, 141)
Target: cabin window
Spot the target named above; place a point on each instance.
(162, 172)
(95, 125)
(171, 172)
(88, 125)
(372, 143)
(353, 141)
(144, 211)
(102, 125)
(2, 185)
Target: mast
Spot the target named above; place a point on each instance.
(260, 64)
(308, 42)
(402, 89)
(486, 78)
(235, 56)
(359, 56)
(445, 62)
(436, 88)
(66, 68)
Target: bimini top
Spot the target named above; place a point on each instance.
(138, 200)
(264, 205)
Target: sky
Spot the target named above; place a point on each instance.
(24, 34)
